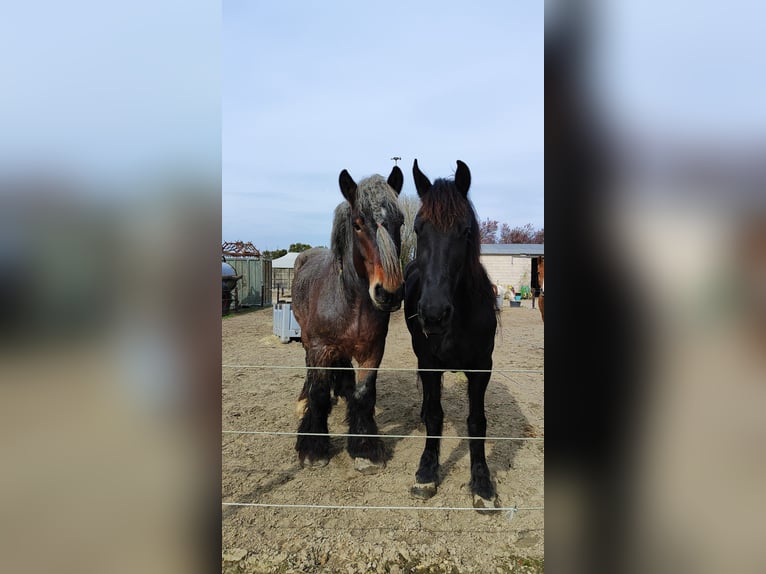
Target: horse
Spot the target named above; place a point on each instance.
(451, 314)
(541, 282)
(342, 298)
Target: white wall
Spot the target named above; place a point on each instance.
(507, 270)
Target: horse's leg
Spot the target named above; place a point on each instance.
(368, 452)
(316, 395)
(481, 483)
(431, 413)
(343, 380)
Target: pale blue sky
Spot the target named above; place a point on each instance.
(115, 91)
(681, 69)
(303, 90)
(311, 88)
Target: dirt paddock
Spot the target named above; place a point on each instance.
(264, 468)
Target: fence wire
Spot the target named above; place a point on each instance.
(509, 512)
(391, 369)
(398, 436)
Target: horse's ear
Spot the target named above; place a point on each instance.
(422, 183)
(462, 177)
(347, 186)
(396, 179)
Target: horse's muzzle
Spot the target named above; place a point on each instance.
(434, 317)
(387, 301)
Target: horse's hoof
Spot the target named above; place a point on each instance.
(314, 464)
(423, 491)
(366, 466)
(485, 506)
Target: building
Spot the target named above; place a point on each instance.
(512, 264)
(254, 289)
(283, 268)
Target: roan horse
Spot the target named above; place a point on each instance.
(342, 299)
(450, 311)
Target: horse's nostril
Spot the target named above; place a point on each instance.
(435, 314)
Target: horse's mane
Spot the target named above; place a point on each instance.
(340, 239)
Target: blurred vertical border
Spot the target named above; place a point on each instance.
(109, 292)
(656, 206)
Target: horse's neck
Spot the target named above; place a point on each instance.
(349, 281)
(470, 292)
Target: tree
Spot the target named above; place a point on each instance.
(488, 231)
(298, 247)
(409, 204)
(522, 234)
(539, 236)
(505, 234)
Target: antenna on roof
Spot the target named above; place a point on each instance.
(395, 159)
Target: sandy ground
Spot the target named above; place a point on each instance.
(264, 468)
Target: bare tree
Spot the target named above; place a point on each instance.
(488, 231)
(409, 204)
(505, 233)
(522, 234)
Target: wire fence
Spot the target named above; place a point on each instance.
(508, 511)
(391, 369)
(396, 436)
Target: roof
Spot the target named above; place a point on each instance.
(520, 249)
(284, 262)
(239, 249)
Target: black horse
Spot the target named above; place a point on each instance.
(342, 299)
(451, 314)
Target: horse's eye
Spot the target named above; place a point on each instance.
(467, 233)
(358, 224)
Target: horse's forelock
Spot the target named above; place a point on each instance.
(378, 204)
(444, 206)
(374, 195)
(389, 256)
(376, 200)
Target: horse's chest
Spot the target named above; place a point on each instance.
(462, 344)
(355, 332)
(444, 348)
(366, 330)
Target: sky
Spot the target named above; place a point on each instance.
(279, 97)
(311, 90)
(111, 90)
